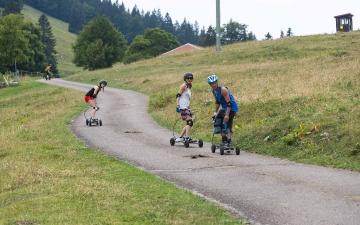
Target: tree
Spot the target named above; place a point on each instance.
(281, 34)
(136, 27)
(77, 18)
(161, 41)
(151, 20)
(99, 45)
(13, 41)
(2, 3)
(153, 43)
(167, 24)
(49, 41)
(289, 32)
(35, 53)
(13, 6)
(209, 39)
(234, 32)
(251, 36)
(268, 36)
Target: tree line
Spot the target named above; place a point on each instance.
(134, 22)
(24, 44)
(100, 42)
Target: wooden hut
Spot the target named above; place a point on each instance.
(344, 22)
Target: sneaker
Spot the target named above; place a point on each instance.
(180, 139)
(228, 145)
(188, 139)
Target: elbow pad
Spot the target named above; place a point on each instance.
(217, 102)
(94, 96)
(229, 104)
(178, 95)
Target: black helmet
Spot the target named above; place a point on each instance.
(103, 82)
(188, 75)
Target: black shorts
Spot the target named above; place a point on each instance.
(230, 121)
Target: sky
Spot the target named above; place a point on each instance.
(304, 17)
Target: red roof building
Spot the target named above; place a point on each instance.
(184, 48)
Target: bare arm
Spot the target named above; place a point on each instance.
(225, 94)
(181, 90)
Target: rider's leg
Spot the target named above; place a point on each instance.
(186, 130)
(188, 127)
(92, 104)
(229, 125)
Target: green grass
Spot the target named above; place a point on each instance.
(49, 177)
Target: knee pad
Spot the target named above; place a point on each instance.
(190, 122)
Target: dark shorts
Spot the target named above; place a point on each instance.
(88, 98)
(184, 113)
(230, 121)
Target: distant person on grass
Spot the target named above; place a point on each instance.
(183, 106)
(91, 95)
(47, 72)
(228, 104)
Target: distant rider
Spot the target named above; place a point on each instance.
(47, 72)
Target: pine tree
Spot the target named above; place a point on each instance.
(289, 32)
(281, 34)
(13, 6)
(49, 41)
(268, 36)
(77, 18)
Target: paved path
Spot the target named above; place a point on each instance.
(263, 190)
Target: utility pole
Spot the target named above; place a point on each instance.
(218, 47)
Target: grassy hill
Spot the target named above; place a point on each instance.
(64, 39)
(298, 96)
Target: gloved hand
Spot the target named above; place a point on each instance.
(177, 108)
(97, 108)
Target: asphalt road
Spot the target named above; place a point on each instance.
(259, 189)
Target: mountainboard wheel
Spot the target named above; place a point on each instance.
(222, 149)
(172, 141)
(200, 143)
(213, 148)
(87, 122)
(100, 122)
(187, 143)
(237, 150)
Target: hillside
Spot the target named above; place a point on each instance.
(64, 40)
(298, 96)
